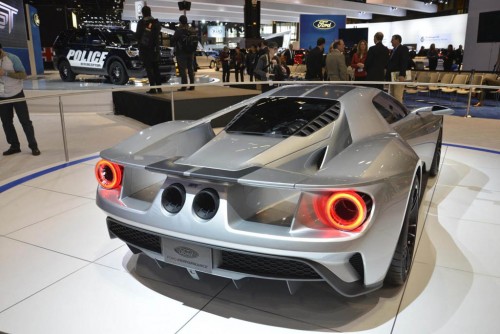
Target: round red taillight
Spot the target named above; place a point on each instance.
(345, 211)
(108, 174)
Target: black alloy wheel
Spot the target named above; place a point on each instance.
(117, 73)
(403, 255)
(65, 71)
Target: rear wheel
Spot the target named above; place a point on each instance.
(65, 71)
(117, 73)
(434, 170)
(212, 64)
(403, 255)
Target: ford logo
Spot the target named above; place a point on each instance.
(186, 252)
(324, 24)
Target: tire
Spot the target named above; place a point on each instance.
(66, 72)
(403, 255)
(212, 64)
(117, 73)
(434, 170)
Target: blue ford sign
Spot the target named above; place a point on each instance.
(313, 27)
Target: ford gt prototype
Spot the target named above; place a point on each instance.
(303, 183)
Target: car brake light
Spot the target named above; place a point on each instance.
(345, 211)
(108, 174)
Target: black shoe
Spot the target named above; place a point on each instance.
(181, 89)
(191, 88)
(159, 91)
(11, 151)
(151, 91)
(35, 151)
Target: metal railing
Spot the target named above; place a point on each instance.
(171, 89)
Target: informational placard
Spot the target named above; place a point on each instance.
(313, 27)
(216, 31)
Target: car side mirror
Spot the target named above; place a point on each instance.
(435, 110)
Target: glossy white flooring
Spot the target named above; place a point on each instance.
(60, 272)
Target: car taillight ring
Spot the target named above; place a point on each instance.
(342, 210)
(108, 174)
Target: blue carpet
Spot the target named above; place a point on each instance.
(490, 108)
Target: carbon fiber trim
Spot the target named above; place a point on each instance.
(169, 166)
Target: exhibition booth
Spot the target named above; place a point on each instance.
(61, 272)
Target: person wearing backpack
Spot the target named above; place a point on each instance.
(148, 35)
(183, 40)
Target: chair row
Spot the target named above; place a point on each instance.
(455, 80)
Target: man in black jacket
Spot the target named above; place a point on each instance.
(398, 64)
(315, 61)
(148, 35)
(376, 59)
(184, 57)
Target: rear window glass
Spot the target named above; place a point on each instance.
(278, 116)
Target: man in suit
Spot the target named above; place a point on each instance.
(289, 54)
(376, 60)
(335, 62)
(315, 61)
(398, 62)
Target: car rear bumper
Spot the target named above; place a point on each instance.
(237, 264)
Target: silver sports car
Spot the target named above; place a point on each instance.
(303, 183)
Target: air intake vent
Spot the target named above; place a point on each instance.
(267, 267)
(356, 262)
(134, 236)
(321, 121)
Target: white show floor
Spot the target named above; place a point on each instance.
(60, 272)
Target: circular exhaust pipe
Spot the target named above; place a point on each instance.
(206, 203)
(173, 197)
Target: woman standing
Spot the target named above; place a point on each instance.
(358, 61)
(239, 64)
(449, 58)
(250, 60)
(432, 55)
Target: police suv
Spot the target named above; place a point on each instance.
(111, 52)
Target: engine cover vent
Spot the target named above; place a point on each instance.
(321, 121)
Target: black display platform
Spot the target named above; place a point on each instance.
(188, 105)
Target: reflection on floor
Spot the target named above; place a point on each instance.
(60, 273)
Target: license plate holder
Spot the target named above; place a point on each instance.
(188, 255)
